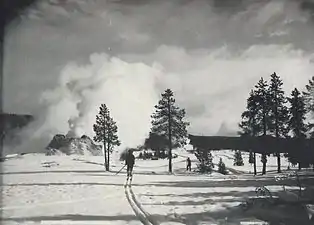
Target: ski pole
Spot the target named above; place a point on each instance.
(120, 170)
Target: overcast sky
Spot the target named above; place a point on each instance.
(65, 57)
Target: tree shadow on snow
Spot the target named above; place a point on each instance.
(237, 194)
(69, 184)
(309, 181)
(56, 171)
(73, 217)
(274, 214)
(235, 215)
(98, 172)
(193, 203)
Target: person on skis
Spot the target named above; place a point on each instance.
(129, 162)
(188, 164)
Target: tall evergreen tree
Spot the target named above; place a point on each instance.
(249, 124)
(309, 103)
(222, 167)
(167, 121)
(205, 159)
(309, 95)
(238, 160)
(263, 102)
(297, 116)
(278, 111)
(106, 130)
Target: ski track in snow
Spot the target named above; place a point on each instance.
(144, 216)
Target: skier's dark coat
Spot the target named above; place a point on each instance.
(129, 160)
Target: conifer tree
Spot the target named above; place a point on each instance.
(308, 96)
(238, 160)
(205, 159)
(168, 122)
(263, 103)
(278, 111)
(250, 125)
(106, 131)
(297, 116)
(222, 167)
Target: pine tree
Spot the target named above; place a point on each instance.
(167, 121)
(238, 160)
(308, 96)
(249, 124)
(263, 103)
(106, 130)
(278, 113)
(222, 167)
(297, 116)
(205, 159)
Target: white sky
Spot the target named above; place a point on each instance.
(125, 53)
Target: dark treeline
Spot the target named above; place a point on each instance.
(270, 112)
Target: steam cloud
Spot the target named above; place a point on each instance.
(211, 62)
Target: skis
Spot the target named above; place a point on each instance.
(128, 181)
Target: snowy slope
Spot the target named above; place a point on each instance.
(38, 187)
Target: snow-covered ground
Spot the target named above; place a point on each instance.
(227, 157)
(40, 188)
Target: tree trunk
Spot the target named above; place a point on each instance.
(278, 163)
(264, 133)
(277, 137)
(170, 137)
(255, 164)
(170, 161)
(108, 157)
(105, 145)
(264, 167)
(254, 154)
(105, 155)
(170, 150)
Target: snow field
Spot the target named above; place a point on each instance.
(77, 188)
(61, 193)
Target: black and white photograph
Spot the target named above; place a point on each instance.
(157, 112)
